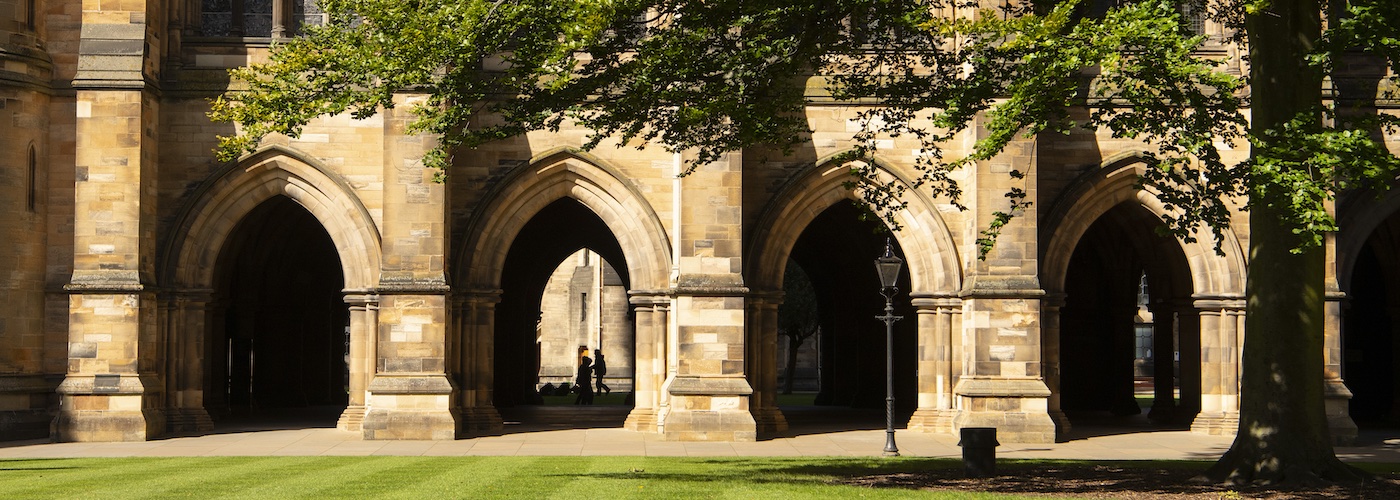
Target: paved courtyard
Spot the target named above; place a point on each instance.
(595, 431)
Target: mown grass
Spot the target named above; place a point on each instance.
(456, 477)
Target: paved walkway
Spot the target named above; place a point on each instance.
(1088, 442)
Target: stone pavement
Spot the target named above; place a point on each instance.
(595, 436)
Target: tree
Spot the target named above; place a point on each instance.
(713, 77)
(797, 317)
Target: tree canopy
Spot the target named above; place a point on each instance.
(716, 76)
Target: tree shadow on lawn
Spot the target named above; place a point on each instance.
(1077, 479)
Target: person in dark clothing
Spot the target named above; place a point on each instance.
(600, 368)
(584, 382)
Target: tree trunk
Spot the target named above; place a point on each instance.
(1283, 436)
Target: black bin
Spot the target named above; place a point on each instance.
(979, 447)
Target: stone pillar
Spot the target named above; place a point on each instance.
(1001, 384)
(1222, 321)
(363, 324)
(1336, 396)
(1050, 340)
(763, 363)
(938, 319)
(411, 396)
(184, 360)
(650, 367)
(113, 390)
(709, 393)
(1164, 330)
(665, 352)
(1188, 338)
(477, 333)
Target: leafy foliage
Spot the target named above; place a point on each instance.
(717, 77)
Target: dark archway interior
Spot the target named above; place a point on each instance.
(556, 232)
(1369, 364)
(838, 252)
(278, 335)
(1112, 345)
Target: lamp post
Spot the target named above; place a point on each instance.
(888, 265)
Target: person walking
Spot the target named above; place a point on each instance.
(600, 368)
(584, 382)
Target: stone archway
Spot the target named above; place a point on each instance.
(1211, 303)
(639, 235)
(192, 254)
(932, 265)
(1364, 252)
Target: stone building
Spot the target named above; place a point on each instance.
(147, 289)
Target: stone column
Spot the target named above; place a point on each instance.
(477, 333)
(1188, 338)
(363, 324)
(709, 393)
(665, 352)
(184, 357)
(1164, 329)
(1050, 340)
(762, 357)
(650, 367)
(1337, 398)
(411, 396)
(1001, 384)
(112, 391)
(1222, 321)
(938, 318)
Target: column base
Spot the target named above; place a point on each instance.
(1216, 423)
(107, 407)
(709, 409)
(1015, 407)
(352, 418)
(188, 421)
(1062, 425)
(933, 420)
(769, 421)
(410, 406)
(481, 421)
(1337, 403)
(641, 420)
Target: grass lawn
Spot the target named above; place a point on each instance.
(456, 477)
(582, 477)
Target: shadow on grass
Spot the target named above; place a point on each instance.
(1119, 479)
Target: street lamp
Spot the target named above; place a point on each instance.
(888, 265)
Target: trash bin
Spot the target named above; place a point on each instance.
(979, 447)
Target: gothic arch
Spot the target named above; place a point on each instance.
(1358, 217)
(549, 177)
(219, 205)
(1097, 191)
(931, 257)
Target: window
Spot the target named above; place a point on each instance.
(31, 198)
(30, 9)
(258, 18)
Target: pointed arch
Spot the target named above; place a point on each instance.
(1115, 182)
(221, 203)
(1358, 217)
(551, 176)
(931, 256)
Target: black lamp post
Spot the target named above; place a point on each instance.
(888, 265)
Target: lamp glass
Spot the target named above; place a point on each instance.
(888, 266)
